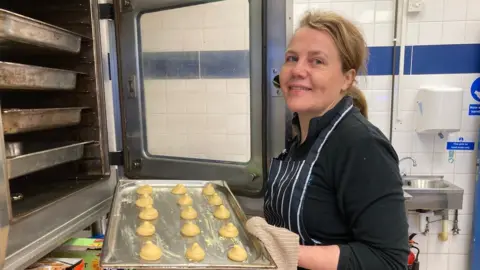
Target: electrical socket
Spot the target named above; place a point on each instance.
(415, 5)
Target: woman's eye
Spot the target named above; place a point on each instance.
(317, 61)
(290, 58)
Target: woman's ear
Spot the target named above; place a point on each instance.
(349, 78)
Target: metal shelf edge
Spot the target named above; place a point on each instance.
(32, 162)
(36, 235)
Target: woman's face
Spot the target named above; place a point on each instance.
(311, 78)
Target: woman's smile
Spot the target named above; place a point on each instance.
(298, 89)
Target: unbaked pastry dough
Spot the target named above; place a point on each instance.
(144, 200)
(195, 253)
(188, 213)
(150, 252)
(146, 229)
(185, 200)
(237, 253)
(190, 229)
(229, 231)
(208, 189)
(179, 189)
(145, 190)
(221, 212)
(148, 213)
(215, 200)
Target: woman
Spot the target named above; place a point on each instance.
(338, 187)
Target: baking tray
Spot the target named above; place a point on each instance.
(26, 120)
(38, 157)
(28, 77)
(122, 246)
(18, 30)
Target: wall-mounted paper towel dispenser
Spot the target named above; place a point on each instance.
(439, 110)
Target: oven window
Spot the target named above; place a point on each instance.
(196, 81)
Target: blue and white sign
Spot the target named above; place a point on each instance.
(461, 145)
(475, 90)
(474, 109)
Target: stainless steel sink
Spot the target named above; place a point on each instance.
(426, 184)
(432, 192)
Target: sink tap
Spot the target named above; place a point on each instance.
(414, 163)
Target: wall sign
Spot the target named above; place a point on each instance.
(461, 145)
(474, 109)
(475, 89)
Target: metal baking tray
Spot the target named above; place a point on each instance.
(28, 77)
(122, 245)
(39, 157)
(18, 30)
(25, 120)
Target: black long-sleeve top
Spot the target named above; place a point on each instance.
(355, 199)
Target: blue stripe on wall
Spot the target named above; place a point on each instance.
(170, 65)
(419, 59)
(426, 59)
(225, 64)
(380, 60)
(194, 65)
(445, 59)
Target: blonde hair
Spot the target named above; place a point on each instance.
(350, 44)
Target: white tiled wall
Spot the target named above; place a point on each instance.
(441, 22)
(198, 118)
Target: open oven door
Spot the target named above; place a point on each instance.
(197, 101)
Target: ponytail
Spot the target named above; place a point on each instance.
(359, 100)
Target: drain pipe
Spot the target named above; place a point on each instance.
(394, 65)
(396, 85)
(443, 236)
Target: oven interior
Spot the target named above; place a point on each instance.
(55, 138)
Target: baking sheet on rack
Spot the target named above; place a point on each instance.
(26, 120)
(16, 29)
(29, 77)
(122, 244)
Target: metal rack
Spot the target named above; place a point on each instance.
(55, 176)
(32, 226)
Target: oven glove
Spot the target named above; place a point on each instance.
(281, 243)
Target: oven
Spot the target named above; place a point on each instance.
(80, 106)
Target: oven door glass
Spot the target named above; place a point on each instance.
(193, 97)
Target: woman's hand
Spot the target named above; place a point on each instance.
(281, 243)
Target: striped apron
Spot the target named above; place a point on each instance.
(288, 181)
